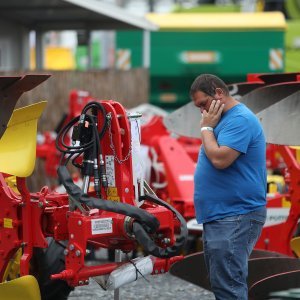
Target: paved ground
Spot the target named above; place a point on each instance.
(159, 287)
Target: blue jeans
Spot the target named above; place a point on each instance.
(227, 245)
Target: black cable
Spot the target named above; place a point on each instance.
(149, 222)
(89, 144)
(149, 245)
(102, 109)
(145, 223)
(68, 149)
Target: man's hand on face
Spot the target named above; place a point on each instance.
(212, 117)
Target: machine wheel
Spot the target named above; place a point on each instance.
(48, 261)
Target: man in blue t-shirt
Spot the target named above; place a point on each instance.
(230, 185)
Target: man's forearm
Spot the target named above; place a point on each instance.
(210, 144)
(220, 156)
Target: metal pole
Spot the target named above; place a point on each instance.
(146, 49)
(89, 49)
(118, 258)
(39, 50)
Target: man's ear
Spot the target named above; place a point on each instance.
(219, 93)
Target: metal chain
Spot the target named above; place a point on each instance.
(120, 161)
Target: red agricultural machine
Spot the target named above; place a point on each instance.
(115, 208)
(173, 182)
(46, 234)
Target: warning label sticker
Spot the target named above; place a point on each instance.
(112, 191)
(110, 170)
(101, 226)
(7, 223)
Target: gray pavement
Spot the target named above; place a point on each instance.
(158, 287)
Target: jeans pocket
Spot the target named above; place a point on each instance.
(254, 232)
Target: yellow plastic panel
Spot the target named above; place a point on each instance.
(295, 245)
(23, 288)
(18, 144)
(297, 148)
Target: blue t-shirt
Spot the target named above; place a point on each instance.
(241, 187)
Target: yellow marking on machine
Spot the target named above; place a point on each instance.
(7, 223)
(12, 183)
(117, 199)
(285, 203)
(112, 192)
(295, 245)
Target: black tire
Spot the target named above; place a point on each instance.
(48, 261)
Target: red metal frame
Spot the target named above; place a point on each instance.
(28, 218)
(178, 156)
(278, 237)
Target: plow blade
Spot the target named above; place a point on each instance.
(257, 253)
(279, 282)
(272, 78)
(274, 121)
(188, 270)
(261, 270)
(11, 89)
(262, 265)
(238, 90)
(186, 120)
(266, 96)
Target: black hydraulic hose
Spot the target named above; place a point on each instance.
(144, 223)
(80, 149)
(144, 239)
(70, 149)
(100, 107)
(149, 245)
(146, 219)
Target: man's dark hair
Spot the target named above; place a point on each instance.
(207, 83)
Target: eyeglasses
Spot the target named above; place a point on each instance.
(202, 100)
(204, 103)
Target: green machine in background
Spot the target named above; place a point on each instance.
(229, 45)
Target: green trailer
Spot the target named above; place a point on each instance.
(229, 45)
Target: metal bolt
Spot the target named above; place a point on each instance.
(126, 190)
(71, 247)
(87, 282)
(66, 252)
(156, 271)
(162, 271)
(166, 240)
(81, 282)
(77, 253)
(79, 222)
(72, 236)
